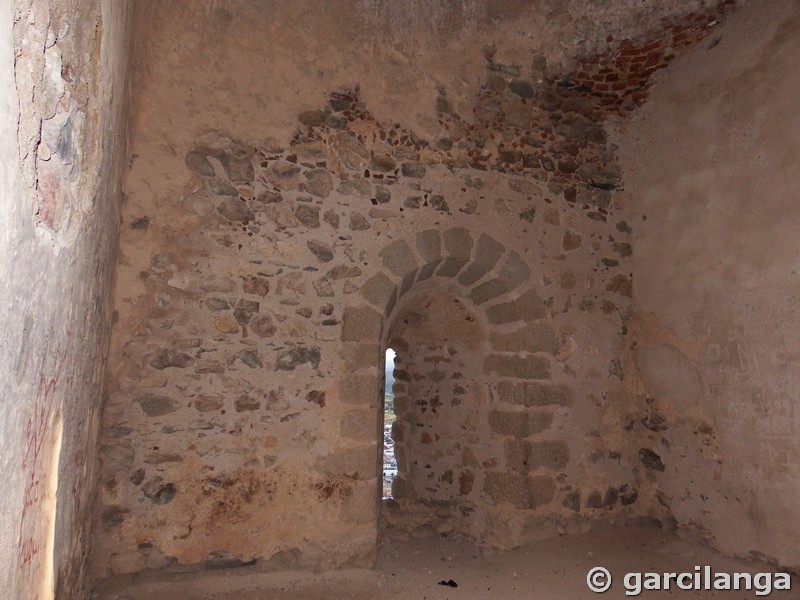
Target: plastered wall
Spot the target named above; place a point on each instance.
(302, 196)
(710, 164)
(62, 74)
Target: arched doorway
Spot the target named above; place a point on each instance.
(438, 393)
(475, 393)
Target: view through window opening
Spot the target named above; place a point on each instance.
(389, 460)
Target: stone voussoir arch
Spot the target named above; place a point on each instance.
(496, 282)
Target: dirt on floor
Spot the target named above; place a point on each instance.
(453, 568)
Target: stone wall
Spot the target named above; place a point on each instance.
(709, 166)
(266, 265)
(62, 73)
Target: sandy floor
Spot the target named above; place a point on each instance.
(411, 569)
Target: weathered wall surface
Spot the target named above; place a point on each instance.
(62, 74)
(300, 186)
(711, 168)
(247, 357)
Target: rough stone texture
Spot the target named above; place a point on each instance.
(361, 324)
(541, 490)
(513, 273)
(378, 290)
(358, 424)
(519, 423)
(255, 216)
(487, 252)
(527, 307)
(429, 248)
(321, 250)
(358, 389)
(507, 487)
(533, 394)
(458, 244)
(536, 337)
(398, 259)
(198, 162)
(156, 406)
(509, 365)
(552, 455)
(352, 187)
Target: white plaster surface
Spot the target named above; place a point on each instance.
(711, 168)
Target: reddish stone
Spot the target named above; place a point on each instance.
(255, 285)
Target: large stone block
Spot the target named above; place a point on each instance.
(550, 454)
(518, 367)
(539, 421)
(398, 258)
(359, 424)
(513, 273)
(506, 487)
(536, 337)
(516, 454)
(289, 360)
(534, 394)
(156, 406)
(488, 290)
(487, 252)
(361, 324)
(524, 456)
(378, 290)
(458, 243)
(541, 490)
(429, 245)
(427, 271)
(528, 307)
(308, 215)
(358, 462)
(361, 355)
(169, 358)
(407, 283)
(239, 169)
(429, 248)
(360, 389)
(361, 504)
(505, 422)
(519, 423)
(319, 182)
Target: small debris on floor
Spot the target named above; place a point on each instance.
(449, 583)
